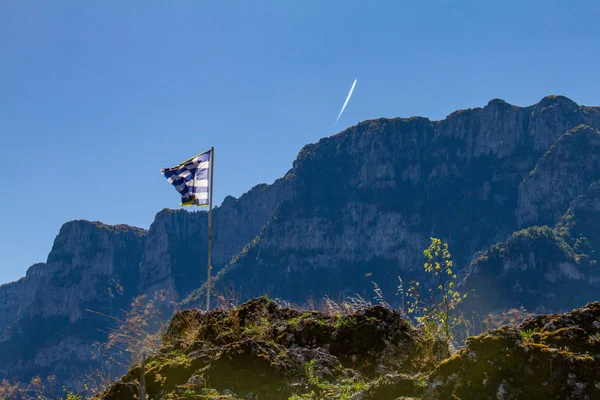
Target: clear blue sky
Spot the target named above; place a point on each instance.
(97, 96)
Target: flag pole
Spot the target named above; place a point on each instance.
(208, 267)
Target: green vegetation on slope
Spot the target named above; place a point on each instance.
(542, 266)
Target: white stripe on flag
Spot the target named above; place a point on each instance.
(201, 183)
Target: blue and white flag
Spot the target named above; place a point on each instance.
(191, 178)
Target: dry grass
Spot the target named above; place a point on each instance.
(227, 299)
(138, 332)
(96, 381)
(511, 317)
(36, 389)
(348, 306)
(9, 390)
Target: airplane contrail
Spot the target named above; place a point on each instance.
(346, 102)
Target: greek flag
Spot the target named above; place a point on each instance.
(191, 178)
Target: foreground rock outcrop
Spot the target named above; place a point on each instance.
(261, 350)
(547, 357)
(264, 351)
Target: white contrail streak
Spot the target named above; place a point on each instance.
(346, 102)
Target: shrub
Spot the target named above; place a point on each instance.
(437, 315)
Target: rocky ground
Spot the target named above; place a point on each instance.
(546, 357)
(262, 350)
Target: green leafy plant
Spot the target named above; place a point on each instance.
(438, 314)
(343, 389)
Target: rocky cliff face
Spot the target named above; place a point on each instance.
(356, 207)
(366, 201)
(543, 268)
(16, 297)
(175, 253)
(564, 172)
(46, 328)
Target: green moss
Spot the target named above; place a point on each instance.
(312, 315)
(533, 362)
(345, 322)
(321, 388)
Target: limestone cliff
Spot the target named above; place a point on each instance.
(564, 172)
(366, 201)
(175, 253)
(45, 326)
(543, 268)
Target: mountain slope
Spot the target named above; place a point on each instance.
(175, 253)
(91, 265)
(366, 201)
(45, 327)
(542, 268)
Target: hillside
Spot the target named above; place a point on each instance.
(542, 268)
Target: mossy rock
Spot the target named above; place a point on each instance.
(262, 350)
(547, 357)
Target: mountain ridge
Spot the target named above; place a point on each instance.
(363, 201)
(384, 178)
